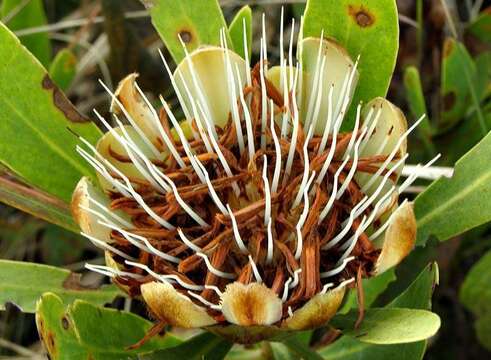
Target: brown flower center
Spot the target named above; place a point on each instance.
(218, 240)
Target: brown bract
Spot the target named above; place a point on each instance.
(398, 240)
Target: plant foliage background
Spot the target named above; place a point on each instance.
(443, 69)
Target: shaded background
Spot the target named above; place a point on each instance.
(107, 39)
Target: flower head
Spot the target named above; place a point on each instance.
(248, 205)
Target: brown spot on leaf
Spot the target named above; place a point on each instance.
(40, 326)
(449, 100)
(65, 323)
(61, 101)
(186, 36)
(72, 282)
(448, 47)
(361, 15)
(48, 339)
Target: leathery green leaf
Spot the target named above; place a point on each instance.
(23, 283)
(449, 207)
(475, 294)
(203, 346)
(418, 296)
(236, 31)
(366, 28)
(19, 15)
(415, 96)
(110, 330)
(298, 346)
(195, 22)
(389, 325)
(348, 348)
(85, 331)
(35, 142)
(56, 331)
(63, 68)
(36, 202)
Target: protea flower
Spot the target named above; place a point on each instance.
(251, 207)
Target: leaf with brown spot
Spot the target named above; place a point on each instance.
(84, 331)
(368, 28)
(458, 84)
(35, 141)
(196, 22)
(361, 15)
(22, 283)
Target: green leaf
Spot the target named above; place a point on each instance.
(417, 105)
(462, 138)
(63, 68)
(280, 351)
(449, 207)
(295, 346)
(348, 348)
(56, 331)
(236, 30)
(414, 95)
(23, 283)
(85, 331)
(368, 28)
(475, 294)
(196, 22)
(35, 117)
(457, 83)
(481, 26)
(36, 202)
(372, 288)
(204, 346)
(300, 347)
(110, 330)
(389, 325)
(417, 295)
(20, 15)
